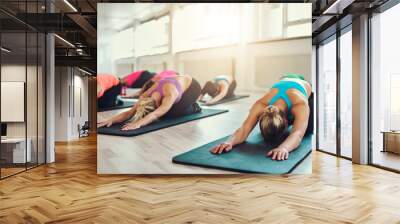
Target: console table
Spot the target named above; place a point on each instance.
(13, 150)
(391, 141)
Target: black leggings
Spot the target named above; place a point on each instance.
(310, 126)
(143, 78)
(109, 98)
(211, 89)
(187, 104)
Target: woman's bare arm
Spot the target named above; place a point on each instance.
(166, 104)
(118, 118)
(224, 90)
(248, 125)
(121, 117)
(147, 92)
(301, 112)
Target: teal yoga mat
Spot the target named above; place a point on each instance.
(226, 100)
(248, 157)
(122, 105)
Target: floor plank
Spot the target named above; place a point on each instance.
(70, 191)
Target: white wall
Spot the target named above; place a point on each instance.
(17, 73)
(81, 105)
(122, 44)
(152, 37)
(105, 53)
(33, 126)
(198, 26)
(256, 66)
(71, 102)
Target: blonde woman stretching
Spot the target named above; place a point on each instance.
(169, 97)
(290, 101)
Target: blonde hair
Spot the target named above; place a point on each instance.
(145, 106)
(273, 124)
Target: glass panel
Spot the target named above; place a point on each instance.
(346, 94)
(385, 84)
(22, 91)
(41, 99)
(13, 80)
(31, 88)
(327, 97)
(31, 98)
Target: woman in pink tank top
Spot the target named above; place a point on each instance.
(157, 77)
(164, 74)
(108, 89)
(137, 79)
(170, 97)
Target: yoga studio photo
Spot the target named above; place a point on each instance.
(204, 88)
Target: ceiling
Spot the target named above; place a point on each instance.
(329, 16)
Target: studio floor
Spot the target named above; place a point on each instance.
(70, 191)
(386, 159)
(152, 153)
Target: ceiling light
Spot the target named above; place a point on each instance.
(64, 40)
(5, 50)
(84, 71)
(331, 7)
(338, 6)
(70, 5)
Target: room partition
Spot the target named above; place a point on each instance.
(23, 91)
(334, 93)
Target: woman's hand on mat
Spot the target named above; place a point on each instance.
(130, 126)
(279, 153)
(107, 124)
(221, 148)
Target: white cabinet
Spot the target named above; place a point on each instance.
(15, 148)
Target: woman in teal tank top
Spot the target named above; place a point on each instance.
(289, 102)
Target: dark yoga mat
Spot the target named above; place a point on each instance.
(235, 97)
(123, 105)
(162, 123)
(129, 98)
(248, 157)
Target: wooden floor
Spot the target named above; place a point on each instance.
(70, 191)
(152, 153)
(386, 159)
(10, 171)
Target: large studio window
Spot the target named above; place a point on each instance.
(327, 96)
(385, 89)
